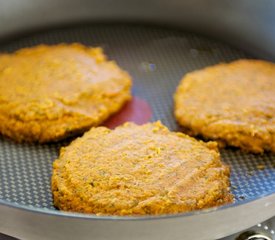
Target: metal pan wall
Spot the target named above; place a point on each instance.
(173, 53)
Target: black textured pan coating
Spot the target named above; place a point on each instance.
(157, 58)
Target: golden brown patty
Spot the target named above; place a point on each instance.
(50, 92)
(137, 170)
(232, 103)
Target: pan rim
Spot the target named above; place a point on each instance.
(85, 216)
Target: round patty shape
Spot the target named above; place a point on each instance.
(231, 103)
(138, 170)
(50, 92)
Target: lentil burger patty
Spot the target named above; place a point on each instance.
(50, 92)
(138, 170)
(231, 103)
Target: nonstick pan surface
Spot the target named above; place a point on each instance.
(157, 58)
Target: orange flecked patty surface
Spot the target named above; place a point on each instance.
(139, 170)
(50, 92)
(231, 103)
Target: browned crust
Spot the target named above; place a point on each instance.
(68, 125)
(233, 104)
(139, 170)
(58, 91)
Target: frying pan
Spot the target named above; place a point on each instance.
(158, 42)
